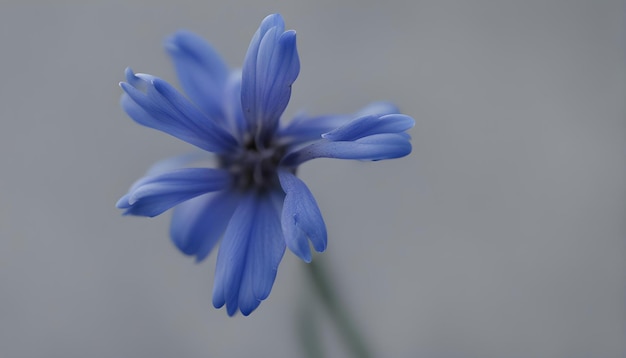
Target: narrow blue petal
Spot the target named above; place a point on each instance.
(150, 196)
(278, 66)
(266, 249)
(135, 81)
(249, 72)
(270, 68)
(303, 129)
(154, 103)
(301, 218)
(374, 147)
(371, 137)
(122, 203)
(200, 69)
(370, 125)
(198, 223)
(232, 105)
(231, 258)
(247, 302)
(161, 167)
(248, 259)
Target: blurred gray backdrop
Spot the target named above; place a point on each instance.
(502, 235)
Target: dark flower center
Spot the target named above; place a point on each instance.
(254, 167)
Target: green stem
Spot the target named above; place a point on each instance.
(308, 331)
(345, 325)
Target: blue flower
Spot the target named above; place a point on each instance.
(252, 198)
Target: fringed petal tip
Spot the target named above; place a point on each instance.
(272, 20)
(188, 48)
(130, 210)
(270, 67)
(369, 137)
(301, 219)
(201, 71)
(122, 203)
(130, 76)
(154, 103)
(303, 128)
(151, 196)
(138, 81)
(133, 82)
(180, 41)
(370, 125)
(249, 255)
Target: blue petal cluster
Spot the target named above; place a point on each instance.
(252, 198)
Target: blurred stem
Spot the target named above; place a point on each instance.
(345, 325)
(308, 331)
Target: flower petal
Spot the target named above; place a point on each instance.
(198, 223)
(200, 69)
(265, 251)
(232, 105)
(151, 196)
(371, 137)
(301, 218)
(161, 167)
(249, 255)
(370, 125)
(154, 103)
(232, 254)
(303, 129)
(270, 68)
(374, 147)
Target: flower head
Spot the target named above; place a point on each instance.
(252, 199)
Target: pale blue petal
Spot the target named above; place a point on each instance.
(301, 218)
(370, 125)
(154, 103)
(232, 105)
(247, 302)
(266, 248)
(231, 258)
(270, 68)
(277, 69)
(198, 223)
(375, 147)
(371, 137)
(122, 203)
(265, 251)
(201, 71)
(161, 167)
(249, 76)
(150, 196)
(303, 128)
(248, 258)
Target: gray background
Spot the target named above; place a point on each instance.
(502, 235)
